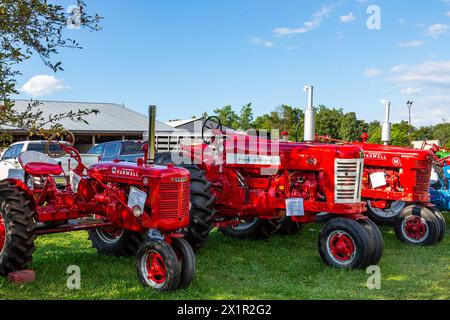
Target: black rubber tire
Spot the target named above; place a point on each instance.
(202, 213)
(186, 258)
(289, 227)
(429, 218)
(18, 214)
(378, 219)
(125, 246)
(170, 261)
(442, 224)
(364, 253)
(377, 240)
(256, 229)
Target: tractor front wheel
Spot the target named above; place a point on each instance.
(115, 241)
(157, 266)
(346, 244)
(186, 259)
(417, 225)
(16, 229)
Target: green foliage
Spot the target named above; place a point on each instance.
(442, 133)
(227, 116)
(399, 134)
(35, 27)
(246, 117)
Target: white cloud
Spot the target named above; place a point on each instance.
(43, 85)
(262, 42)
(411, 44)
(317, 19)
(348, 18)
(429, 73)
(436, 30)
(448, 14)
(373, 72)
(411, 91)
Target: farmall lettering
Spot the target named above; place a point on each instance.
(374, 156)
(124, 172)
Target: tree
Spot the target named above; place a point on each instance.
(328, 122)
(374, 132)
(399, 134)
(351, 128)
(442, 133)
(227, 116)
(36, 27)
(246, 117)
(284, 118)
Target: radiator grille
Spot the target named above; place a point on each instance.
(174, 200)
(348, 180)
(423, 175)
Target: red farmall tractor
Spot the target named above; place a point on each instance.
(128, 209)
(241, 178)
(396, 184)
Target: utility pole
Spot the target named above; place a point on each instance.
(409, 104)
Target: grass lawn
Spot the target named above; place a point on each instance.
(278, 268)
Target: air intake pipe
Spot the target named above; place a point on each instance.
(386, 129)
(151, 135)
(310, 121)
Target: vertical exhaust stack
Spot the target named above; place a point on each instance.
(310, 121)
(386, 130)
(151, 134)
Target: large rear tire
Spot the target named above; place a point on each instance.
(252, 229)
(385, 216)
(16, 229)
(115, 242)
(186, 259)
(202, 213)
(376, 240)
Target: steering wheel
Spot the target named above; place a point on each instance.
(67, 136)
(213, 124)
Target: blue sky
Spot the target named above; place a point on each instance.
(193, 56)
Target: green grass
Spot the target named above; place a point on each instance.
(278, 268)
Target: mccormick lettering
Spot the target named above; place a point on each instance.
(374, 156)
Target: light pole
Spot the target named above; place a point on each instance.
(409, 104)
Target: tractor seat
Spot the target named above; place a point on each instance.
(42, 169)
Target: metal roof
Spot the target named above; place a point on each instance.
(111, 117)
(178, 123)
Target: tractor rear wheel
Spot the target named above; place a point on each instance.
(186, 259)
(115, 241)
(254, 228)
(346, 244)
(385, 216)
(16, 229)
(202, 213)
(157, 266)
(417, 225)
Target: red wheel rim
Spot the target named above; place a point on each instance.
(415, 228)
(155, 268)
(2, 233)
(341, 247)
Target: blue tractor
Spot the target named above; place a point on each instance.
(439, 187)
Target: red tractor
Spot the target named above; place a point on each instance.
(127, 208)
(396, 184)
(241, 178)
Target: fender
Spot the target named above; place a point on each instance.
(22, 186)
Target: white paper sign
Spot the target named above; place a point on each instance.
(377, 179)
(295, 207)
(137, 198)
(74, 181)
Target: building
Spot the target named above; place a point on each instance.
(113, 122)
(193, 126)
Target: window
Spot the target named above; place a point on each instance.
(98, 149)
(111, 150)
(13, 151)
(40, 147)
(131, 147)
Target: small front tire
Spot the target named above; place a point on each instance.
(417, 225)
(157, 266)
(186, 259)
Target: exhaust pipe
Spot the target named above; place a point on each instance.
(151, 135)
(310, 121)
(386, 130)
